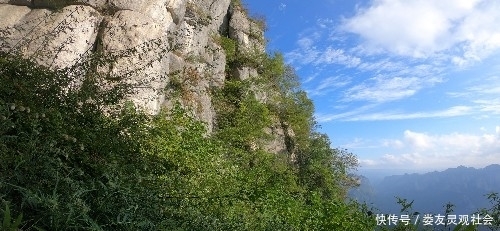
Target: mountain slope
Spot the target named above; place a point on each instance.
(462, 186)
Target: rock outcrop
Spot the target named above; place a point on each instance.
(179, 36)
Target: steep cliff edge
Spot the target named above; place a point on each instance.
(177, 49)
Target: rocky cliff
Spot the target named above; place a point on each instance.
(172, 42)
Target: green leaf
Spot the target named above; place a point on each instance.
(17, 223)
(6, 218)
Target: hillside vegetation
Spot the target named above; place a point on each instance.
(74, 155)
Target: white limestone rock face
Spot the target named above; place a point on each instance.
(55, 39)
(216, 64)
(218, 11)
(11, 15)
(276, 144)
(281, 142)
(201, 22)
(243, 73)
(143, 64)
(245, 31)
(98, 4)
(177, 8)
(195, 39)
(155, 9)
(9, 35)
(249, 37)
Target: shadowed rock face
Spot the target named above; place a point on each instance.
(166, 37)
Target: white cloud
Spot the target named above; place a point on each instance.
(308, 53)
(485, 86)
(361, 115)
(489, 106)
(340, 116)
(419, 141)
(306, 43)
(382, 65)
(416, 43)
(282, 6)
(325, 23)
(484, 94)
(383, 89)
(310, 78)
(393, 143)
(311, 49)
(464, 30)
(361, 143)
(450, 112)
(337, 56)
(403, 27)
(423, 150)
(367, 162)
(302, 57)
(329, 84)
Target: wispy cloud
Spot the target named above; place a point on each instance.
(341, 116)
(484, 87)
(336, 56)
(450, 112)
(329, 84)
(357, 115)
(360, 143)
(382, 65)
(282, 6)
(484, 93)
(311, 50)
(383, 88)
(422, 150)
(489, 106)
(308, 53)
(310, 78)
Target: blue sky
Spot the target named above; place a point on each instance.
(403, 84)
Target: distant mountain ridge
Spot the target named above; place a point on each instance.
(465, 187)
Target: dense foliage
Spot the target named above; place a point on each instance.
(75, 156)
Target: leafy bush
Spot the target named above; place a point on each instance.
(76, 158)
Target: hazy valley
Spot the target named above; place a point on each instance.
(464, 187)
